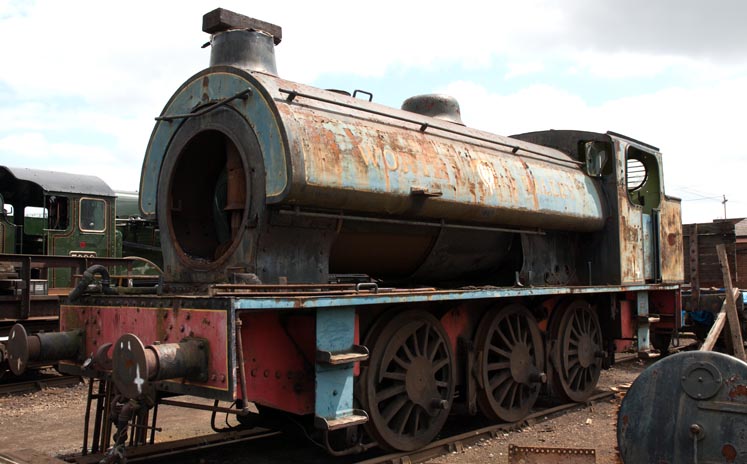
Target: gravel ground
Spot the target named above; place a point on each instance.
(51, 421)
(590, 427)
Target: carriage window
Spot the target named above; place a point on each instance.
(92, 215)
(642, 178)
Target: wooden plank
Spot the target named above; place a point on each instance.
(220, 20)
(735, 330)
(715, 331)
(694, 274)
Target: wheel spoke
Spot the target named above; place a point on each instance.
(501, 352)
(415, 343)
(511, 332)
(499, 380)
(390, 392)
(502, 391)
(393, 408)
(515, 387)
(426, 335)
(407, 351)
(575, 332)
(440, 365)
(405, 418)
(401, 376)
(503, 337)
(436, 347)
(498, 366)
(402, 363)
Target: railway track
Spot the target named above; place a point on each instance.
(267, 446)
(41, 382)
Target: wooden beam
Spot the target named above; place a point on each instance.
(715, 331)
(694, 266)
(220, 20)
(735, 329)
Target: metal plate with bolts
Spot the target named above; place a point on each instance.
(536, 455)
(688, 407)
(701, 380)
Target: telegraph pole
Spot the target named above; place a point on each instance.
(724, 203)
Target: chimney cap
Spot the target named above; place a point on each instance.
(220, 20)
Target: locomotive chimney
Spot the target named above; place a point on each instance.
(241, 41)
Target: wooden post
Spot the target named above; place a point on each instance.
(694, 266)
(735, 329)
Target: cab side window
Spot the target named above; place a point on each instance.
(92, 215)
(643, 180)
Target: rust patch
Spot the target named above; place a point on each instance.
(738, 390)
(729, 452)
(205, 89)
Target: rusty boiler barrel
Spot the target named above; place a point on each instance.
(250, 172)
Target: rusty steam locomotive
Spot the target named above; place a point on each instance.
(355, 266)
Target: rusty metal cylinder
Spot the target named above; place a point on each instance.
(135, 366)
(245, 49)
(41, 347)
(176, 360)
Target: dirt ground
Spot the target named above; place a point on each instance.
(51, 421)
(590, 427)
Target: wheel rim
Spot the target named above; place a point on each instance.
(408, 385)
(579, 344)
(511, 363)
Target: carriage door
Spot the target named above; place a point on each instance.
(59, 232)
(643, 182)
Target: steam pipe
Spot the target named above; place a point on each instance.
(87, 280)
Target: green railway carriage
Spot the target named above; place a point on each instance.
(56, 213)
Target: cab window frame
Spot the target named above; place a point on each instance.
(104, 219)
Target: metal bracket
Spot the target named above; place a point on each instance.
(425, 192)
(244, 94)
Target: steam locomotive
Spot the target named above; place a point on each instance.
(358, 267)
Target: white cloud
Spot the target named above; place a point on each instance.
(517, 69)
(694, 127)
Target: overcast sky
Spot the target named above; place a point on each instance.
(81, 81)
